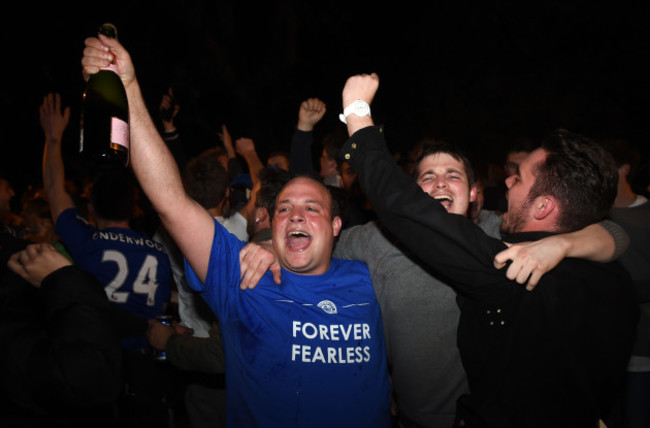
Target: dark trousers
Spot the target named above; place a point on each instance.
(632, 409)
(153, 390)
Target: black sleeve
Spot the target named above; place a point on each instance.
(300, 155)
(78, 359)
(449, 243)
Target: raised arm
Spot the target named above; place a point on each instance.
(168, 110)
(233, 165)
(246, 148)
(189, 224)
(54, 121)
(449, 243)
(311, 111)
(226, 139)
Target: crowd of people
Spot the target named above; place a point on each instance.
(360, 292)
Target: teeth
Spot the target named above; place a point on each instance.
(297, 234)
(441, 197)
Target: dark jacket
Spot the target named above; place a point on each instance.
(60, 358)
(552, 357)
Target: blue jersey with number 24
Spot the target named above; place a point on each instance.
(134, 269)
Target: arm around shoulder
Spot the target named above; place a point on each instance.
(599, 242)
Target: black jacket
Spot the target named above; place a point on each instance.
(60, 357)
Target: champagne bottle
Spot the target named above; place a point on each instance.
(104, 139)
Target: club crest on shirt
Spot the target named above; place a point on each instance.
(328, 306)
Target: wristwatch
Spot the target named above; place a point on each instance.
(358, 108)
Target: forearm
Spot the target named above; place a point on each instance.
(356, 123)
(54, 178)
(230, 149)
(254, 166)
(601, 242)
(161, 183)
(187, 222)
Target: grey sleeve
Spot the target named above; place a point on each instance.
(621, 238)
(353, 243)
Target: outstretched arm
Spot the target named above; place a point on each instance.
(189, 224)
(54, 121)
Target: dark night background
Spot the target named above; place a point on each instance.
(475, 73)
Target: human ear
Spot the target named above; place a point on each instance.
(261, 214)
(473, 194)
(544, 206)
(624, 170)
(336, 225)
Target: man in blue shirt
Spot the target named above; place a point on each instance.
(309, 352)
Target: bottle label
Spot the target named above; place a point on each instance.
(112, 67)
(119, 132)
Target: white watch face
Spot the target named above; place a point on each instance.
(358, 108)
(361, 108)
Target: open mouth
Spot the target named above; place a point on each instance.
(297, 240)
(445, 200)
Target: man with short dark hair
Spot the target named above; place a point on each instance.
(309, 353)
(278, 159)
(553, 356)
